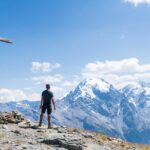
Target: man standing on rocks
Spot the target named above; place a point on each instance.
(47, 99)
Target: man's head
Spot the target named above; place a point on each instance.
(47, 86)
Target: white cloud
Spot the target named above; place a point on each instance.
(137, 2)
(59, 85)
(33, 96)
(118, 73)
(44, 66)
(7, 95)
(48, 79)
(58, 91)
(124, 66)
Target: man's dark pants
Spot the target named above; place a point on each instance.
(49, 111)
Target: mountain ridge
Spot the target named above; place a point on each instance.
(96, 105)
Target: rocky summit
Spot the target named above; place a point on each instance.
(18, 133)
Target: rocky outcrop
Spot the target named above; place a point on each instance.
(16, 133)
(68, 141)
(11, 117)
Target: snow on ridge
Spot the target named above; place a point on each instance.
(87, 92)
(87, 86)
(100, 84)
(147, 90)
(19, 104)
(135, 88)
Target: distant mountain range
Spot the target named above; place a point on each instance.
(96, 105)
(30, 109)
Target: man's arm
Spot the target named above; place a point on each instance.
(53, 103)
(41, 102)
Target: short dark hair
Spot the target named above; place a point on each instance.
(48, 86)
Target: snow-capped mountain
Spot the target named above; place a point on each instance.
(96, 105)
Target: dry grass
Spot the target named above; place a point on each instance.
(113, 142)
(17, 142)
(142, 147)
(2, 135)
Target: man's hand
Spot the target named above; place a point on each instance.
(41, 102)
(53, 103)
(40, 106)
(54, 108)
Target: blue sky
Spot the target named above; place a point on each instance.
(71, 33)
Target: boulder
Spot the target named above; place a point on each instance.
(12, 117)
(68, 141)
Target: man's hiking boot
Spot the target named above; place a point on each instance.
(49, 126)
(40, 125)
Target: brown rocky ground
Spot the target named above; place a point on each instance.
(17, 133)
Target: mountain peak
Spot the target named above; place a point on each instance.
(85, 88)
(100, 84)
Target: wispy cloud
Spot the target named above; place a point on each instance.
(59, 85)
(48, 79)
(43, 66)
(137, 2)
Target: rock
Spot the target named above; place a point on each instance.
(40, 130)
(55, 127)
(88, 135)
(31, 143)
(24, 147)
(61, 130)
(16, 132)
(11, 117)
(5, 127)
(34, 127)
(71, 142)
(24, 124)
(1, 122)
(11, 120)
(2, 118)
